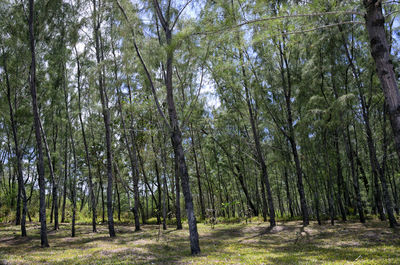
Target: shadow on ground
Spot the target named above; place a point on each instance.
(287, 243)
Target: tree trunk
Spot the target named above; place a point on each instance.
(260, 156)
(375, 24)
(165, 188)
(246, 192)
(18, 153)
(87, 156)
(118, 201)
(36, 118)
(356, 185)
(289, 197)
(176, 139)
(177, 197)
(287, 86)
(340, 181)
(66, 163)
(73, 181)
(53, 179)
(203, 210)
(131, 147)
(159, 190)
(107, 122)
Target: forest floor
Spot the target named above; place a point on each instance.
(287, 243)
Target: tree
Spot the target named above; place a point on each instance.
(36, 117)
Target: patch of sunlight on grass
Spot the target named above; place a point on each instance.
(237, 243)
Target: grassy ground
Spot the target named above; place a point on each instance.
(288, 243)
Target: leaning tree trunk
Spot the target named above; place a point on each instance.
(176, 139)
(375, 166)
(375, 23)
(39, 148)
(176, 134)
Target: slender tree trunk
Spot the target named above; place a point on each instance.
(356, 185)
(66, 163)
(380, 52)
(176, 138)
(53, 178)
(118, 201)
(131, 147)
(102, 195)
(87, 156)
(289, 197)
(287, 86)
(260, 156)
(393, 185)
(340, 181)
(145, 178)
(203, 210)
(165, 188)
(18, 152)
(317, 208)
(73, 181)
(107, 122)
(245, 191)
(36, 117)
(159, 189)
(177, 197)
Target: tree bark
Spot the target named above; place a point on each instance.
(39, 148)
(375, 24)
(176, 137)
(178, 196)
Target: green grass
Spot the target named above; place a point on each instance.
(239, 243)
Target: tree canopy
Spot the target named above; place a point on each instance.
(131, 111)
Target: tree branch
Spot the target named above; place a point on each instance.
(164, 23)
(153, 90)
(180, 13)
(283, 17)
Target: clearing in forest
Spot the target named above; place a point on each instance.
(287, 243)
